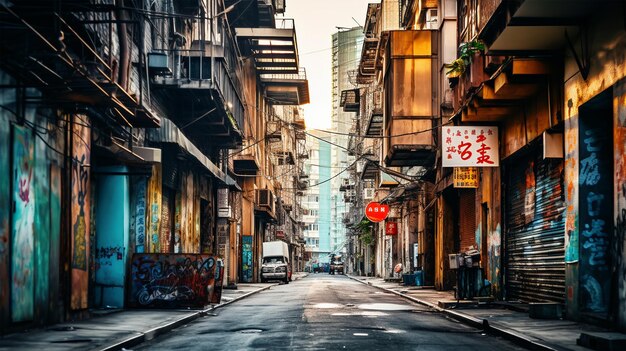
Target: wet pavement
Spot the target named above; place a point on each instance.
(497, 318)
(117, 329)
(326, 312)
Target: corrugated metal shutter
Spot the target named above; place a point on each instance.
(535, 230)
(467, 220)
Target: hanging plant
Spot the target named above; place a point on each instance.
(467, 51)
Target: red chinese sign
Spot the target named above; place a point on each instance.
(470, 146)
(376, 212)
(391, 228)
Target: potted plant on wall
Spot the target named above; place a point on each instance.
(467, 51)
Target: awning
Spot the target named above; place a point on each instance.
(169, 133)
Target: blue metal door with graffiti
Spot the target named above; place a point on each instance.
(112, 235)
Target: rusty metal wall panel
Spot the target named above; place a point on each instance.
(535, 230)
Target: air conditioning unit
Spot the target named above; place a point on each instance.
(432, 20)
(158, 63)
(368, 193)
(265, 199)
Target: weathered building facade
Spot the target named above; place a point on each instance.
(123, 127)
(545, 219)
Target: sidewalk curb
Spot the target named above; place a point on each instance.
(150, 334)
(474, 322)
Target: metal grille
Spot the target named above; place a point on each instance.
(535, 224)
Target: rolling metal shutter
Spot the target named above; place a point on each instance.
(535, 230)
(467, 218)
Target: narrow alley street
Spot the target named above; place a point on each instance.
(325, 312)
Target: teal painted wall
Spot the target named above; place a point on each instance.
(22, 233)
(42, 229)
(112, 236)
(5, 213)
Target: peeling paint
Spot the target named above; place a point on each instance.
(619, 240)
(571, 190)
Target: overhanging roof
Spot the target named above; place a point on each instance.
(169, 133)
(537, 25)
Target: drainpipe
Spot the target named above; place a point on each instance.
(122, 18)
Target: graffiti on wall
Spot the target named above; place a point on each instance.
(246, 259)
(22, 238)
(175, 280)
(81, 197)
(5, 215)
(571, 190)
(140, 215)
(494, 242)
(177, 221)
(619, 241)
(595, 207)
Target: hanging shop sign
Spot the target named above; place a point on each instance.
(465, 177)
(391, 228)
(470, 146)
(376, 212)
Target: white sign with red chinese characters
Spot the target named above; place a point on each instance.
(470, 146)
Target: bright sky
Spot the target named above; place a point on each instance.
(316, 21)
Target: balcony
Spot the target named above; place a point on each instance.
(374, 115)
(275, 50)
(370, 168)
(410, 107)
(285, 158)
(206, 100)
(350, 100)
(287, 88)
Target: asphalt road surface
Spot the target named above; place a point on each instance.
(326, 312)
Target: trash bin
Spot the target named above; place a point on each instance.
(408, 279)
(419, 278)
